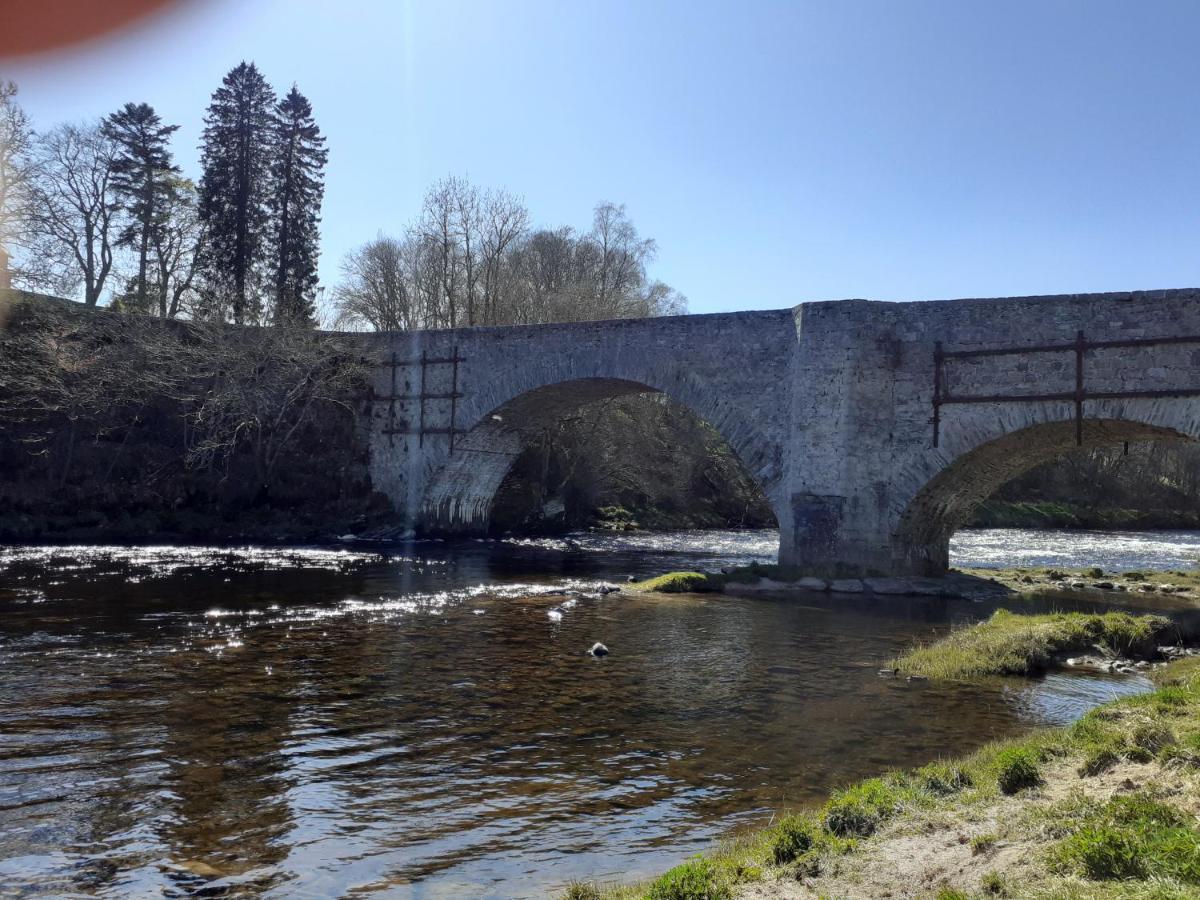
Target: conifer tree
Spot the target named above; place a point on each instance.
(143, 177)
(236, 159)
(297, 186)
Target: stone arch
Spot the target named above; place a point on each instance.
(960, 481)
(458, 494)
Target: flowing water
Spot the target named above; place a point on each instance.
(425, 721)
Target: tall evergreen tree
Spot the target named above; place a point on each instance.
(236, 159)
(297, 186)
(143, 177)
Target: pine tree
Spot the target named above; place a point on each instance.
(142, 179)
(236, 159)
(297, 186)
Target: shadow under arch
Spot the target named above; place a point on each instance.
(458, 498)
(922, 537)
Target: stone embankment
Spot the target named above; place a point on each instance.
(972, 584)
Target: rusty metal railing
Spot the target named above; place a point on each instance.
(1079, 396)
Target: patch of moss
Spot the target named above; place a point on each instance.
(679, 583)
(1017, 644)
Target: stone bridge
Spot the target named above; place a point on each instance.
(873, 428)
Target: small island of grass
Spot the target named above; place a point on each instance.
(1013, 644)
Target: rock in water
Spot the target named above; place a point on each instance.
(598, 649)
(555, 615)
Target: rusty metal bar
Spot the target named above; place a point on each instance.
(1080, 349)
(1063, 348)
(937, 392)
(392, 404)
(431, 360)
(403, 397)
(454, 395)
(421, 430)
(947, 399)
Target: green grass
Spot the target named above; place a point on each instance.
(1131, 837)
(696, 879)
(795, 836)
(858, 810)
(1017, 768)
(1014, 644)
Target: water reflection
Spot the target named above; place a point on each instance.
(307, 725)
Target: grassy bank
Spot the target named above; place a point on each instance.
(1106, 808)
(1013, 644)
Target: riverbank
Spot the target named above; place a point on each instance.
(1106, 808)
(969, 583)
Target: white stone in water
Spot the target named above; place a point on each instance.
(555, 615)
(598, 649)
(809, 583)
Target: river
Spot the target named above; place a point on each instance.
(424, 721)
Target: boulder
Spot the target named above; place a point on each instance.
(598, 649)
(847, 586)
(809, 583)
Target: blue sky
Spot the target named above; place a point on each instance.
(778, 152)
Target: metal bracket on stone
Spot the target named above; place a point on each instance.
(401, 426)
(1080, 347)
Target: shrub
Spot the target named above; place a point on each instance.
(857, 811)
(1017, 768)
(696, 879)
(794, 837)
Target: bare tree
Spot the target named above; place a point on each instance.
(505, 220)
(261, 387)
(16, 177)
(177, 246)
(375, 289)
(436, 229)
(74, 214)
